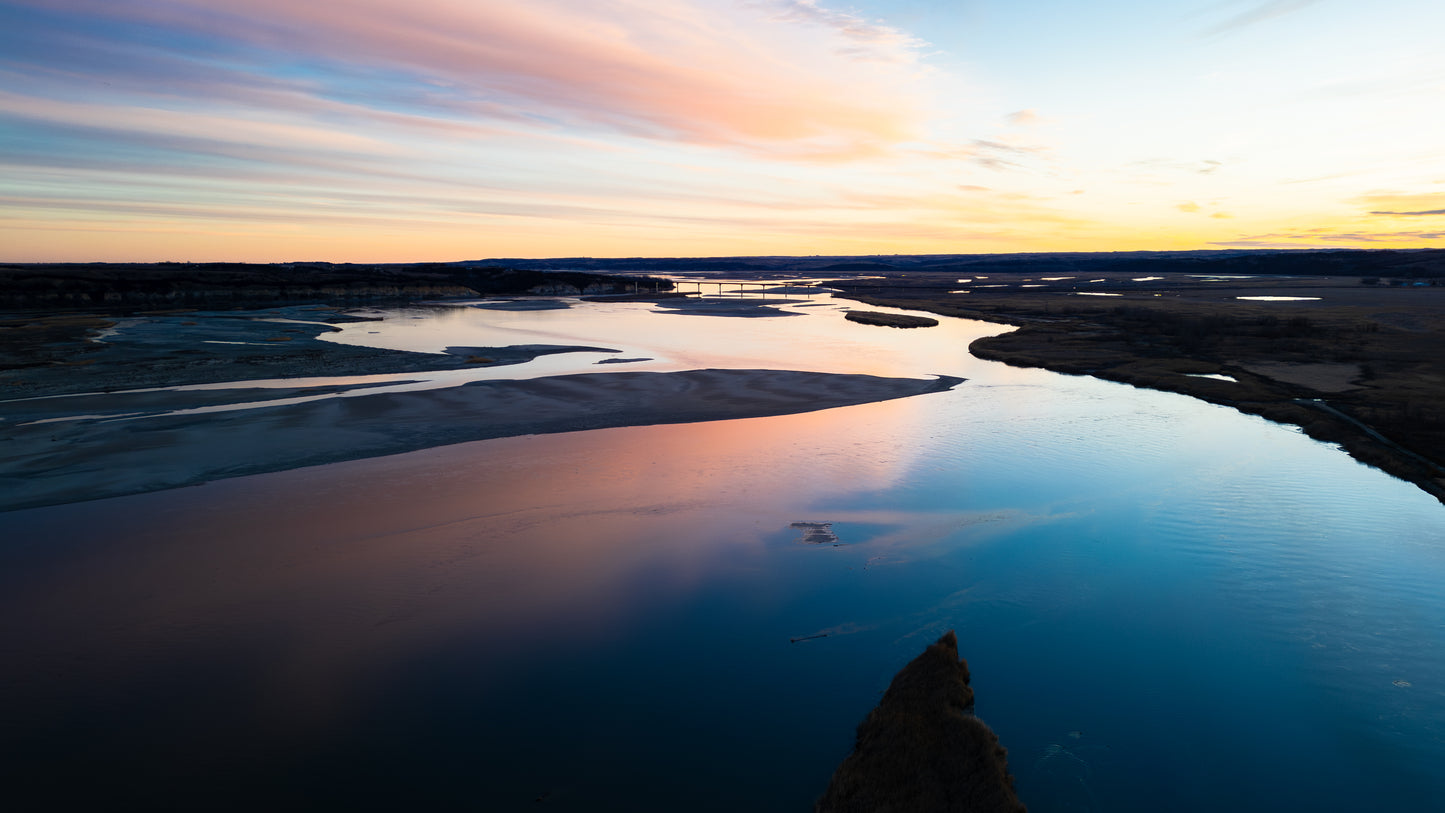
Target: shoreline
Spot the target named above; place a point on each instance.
(1315, 417)
(1334, 371)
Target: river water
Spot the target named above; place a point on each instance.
(1164, 605)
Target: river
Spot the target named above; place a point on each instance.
(1165, 605)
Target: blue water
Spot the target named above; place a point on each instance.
(1164, 605)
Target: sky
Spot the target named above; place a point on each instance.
(441, 130)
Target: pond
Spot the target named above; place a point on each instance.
(1164, 604)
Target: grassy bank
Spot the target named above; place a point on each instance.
(1349, 362)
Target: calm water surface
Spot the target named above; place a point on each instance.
(1165, 605)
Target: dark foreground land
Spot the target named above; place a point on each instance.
(922, 749)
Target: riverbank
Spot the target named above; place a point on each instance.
(1350, 363)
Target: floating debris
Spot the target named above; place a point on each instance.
(816, 533)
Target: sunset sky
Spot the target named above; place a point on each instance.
(378, 130)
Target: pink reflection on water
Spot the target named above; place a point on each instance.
(321, 582)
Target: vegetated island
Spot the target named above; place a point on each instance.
(889, 319)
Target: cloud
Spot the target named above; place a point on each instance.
(1187, 206)
(998, 155)
(1328, 238)
(1257, 13)
(1260, 243)
(1023, 118)
(175, 125)
(1207, 166)
(867, 41)
(986, 153)
(788, 79)
(1397, 204)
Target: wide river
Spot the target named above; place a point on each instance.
(1165, 605)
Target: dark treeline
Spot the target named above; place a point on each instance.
(233, 284)
(189, 284)
(1411, 263)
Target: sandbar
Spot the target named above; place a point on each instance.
(106, 456)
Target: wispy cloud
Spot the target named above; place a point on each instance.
(791, 82)
(987, 153)
(1402, 204)
(1315, 238)
(1207, 166)
(1023, 118)
(1257, 13)
(867, 41)
(687, 126)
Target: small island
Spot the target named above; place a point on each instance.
(889, 319)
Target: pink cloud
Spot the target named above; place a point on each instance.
(785, 78)
(190, 124)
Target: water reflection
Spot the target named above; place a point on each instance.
(824, 342)
(313, 587)
(1197, 594)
